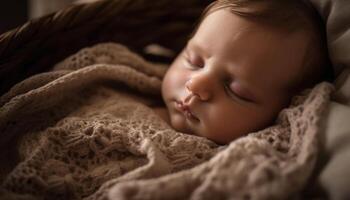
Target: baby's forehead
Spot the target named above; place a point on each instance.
(304, 21)
(232, 30)
(259, 51)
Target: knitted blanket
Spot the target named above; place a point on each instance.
(85, 130)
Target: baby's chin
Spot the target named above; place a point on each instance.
(179, 124)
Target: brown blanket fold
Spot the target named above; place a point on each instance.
(77, 132)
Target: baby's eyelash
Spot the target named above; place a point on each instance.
(189, 62)
(234, 95)
(229, 92)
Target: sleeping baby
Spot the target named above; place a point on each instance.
(243, 64)
(75, 132)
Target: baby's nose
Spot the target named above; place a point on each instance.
(199, 87)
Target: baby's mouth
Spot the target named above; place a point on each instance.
(185, 109)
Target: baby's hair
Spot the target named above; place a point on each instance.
(289, 16)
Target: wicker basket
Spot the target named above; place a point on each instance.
(38, 44)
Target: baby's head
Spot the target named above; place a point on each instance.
(245, 61)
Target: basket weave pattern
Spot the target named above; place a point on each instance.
(40, 43)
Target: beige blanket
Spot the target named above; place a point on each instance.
(77, 133)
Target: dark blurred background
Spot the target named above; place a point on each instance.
(12, 14)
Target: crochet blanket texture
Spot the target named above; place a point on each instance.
(76, 132)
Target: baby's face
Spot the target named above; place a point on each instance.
(232, 77)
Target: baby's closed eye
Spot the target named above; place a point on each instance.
(193, 60)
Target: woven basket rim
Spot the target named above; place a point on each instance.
(47, 24)
(39, 43)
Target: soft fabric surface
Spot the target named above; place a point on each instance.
(335, 146)
(334, 159)
(77, 132)
(336, 16)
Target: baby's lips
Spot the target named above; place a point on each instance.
(190, 115)
(186, 110)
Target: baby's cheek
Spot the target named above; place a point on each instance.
(176, 76)
(216, 131)
(229, 124)
(168, 82)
